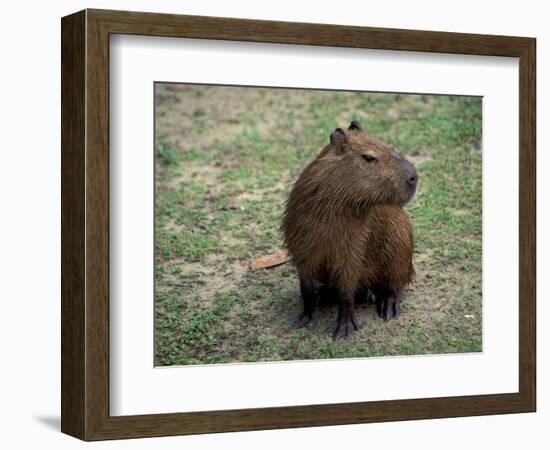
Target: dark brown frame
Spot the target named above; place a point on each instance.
(85, 224)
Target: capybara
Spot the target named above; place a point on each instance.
(346, 230)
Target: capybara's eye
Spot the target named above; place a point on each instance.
(369, 158)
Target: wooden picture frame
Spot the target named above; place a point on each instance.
(85, 224)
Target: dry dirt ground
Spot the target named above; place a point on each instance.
(226, 158)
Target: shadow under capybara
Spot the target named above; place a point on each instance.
(346, 230)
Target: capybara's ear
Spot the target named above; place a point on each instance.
(354, 125)
(339, 139)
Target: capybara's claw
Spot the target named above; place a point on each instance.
(343, 329)
(389, 308)
(304, 320)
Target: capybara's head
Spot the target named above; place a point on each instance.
(375, 172)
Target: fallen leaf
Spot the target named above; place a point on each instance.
(275, 259)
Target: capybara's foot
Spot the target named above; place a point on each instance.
(389, 307)
(344, 327)
(304, 320)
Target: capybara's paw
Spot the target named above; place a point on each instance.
(343, 328)
(304, 320)
(389, 307)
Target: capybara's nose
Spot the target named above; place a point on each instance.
(409, 173)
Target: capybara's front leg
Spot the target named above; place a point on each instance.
(309, 289)
(346, 321)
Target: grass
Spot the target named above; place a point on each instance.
(225, 162)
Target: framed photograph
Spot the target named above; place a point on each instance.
(273, 225)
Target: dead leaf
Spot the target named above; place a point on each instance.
(275, 259)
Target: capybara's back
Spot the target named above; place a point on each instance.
(346, 230)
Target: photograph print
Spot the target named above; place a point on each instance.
(302, 224)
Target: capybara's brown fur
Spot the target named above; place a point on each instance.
(346, 230)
